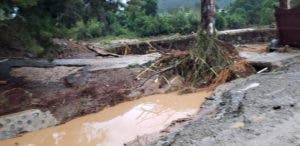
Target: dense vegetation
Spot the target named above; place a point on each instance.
(169, 5)
(34, 22)
(243, 13)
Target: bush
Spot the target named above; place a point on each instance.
(31, 44)
(89, 30)
(235, 21)
(180, 22)
(118, 30)
(221, 22)
(194, 20)
(165, 26)
(147, 25)
(185, 21)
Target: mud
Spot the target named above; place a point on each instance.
(119, 124)
(71, 91)
(262, 109)
(68, 96)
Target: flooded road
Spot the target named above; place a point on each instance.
(116, 125)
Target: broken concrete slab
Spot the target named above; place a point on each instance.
(271, 60)
(267, 57)
(95, 64)
(26, 121)
(43, 75)
(109, 63)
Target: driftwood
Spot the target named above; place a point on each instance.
(101, 52)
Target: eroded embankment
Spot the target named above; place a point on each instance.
(239, 36)
(119, 124)
(70, 88)
(260, 110)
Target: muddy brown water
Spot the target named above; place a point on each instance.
(116, 125)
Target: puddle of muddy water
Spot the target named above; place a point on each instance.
(116, 125)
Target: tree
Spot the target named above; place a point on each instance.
(208, 56)
(208, 12)
(252, 11)
(150, 7)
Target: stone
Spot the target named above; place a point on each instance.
(163, 143)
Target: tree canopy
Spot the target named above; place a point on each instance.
(35, 22)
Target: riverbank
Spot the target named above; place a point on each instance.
(262, 109)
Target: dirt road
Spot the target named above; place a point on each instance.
(263, 109)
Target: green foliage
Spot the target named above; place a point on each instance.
(31, 44)
(235, 21)
(221, 22)
(250, 12)
(165, 26)
(38, 21)
(26, 3)
(150, 7)
(91, 29)
(185, 21)
(147, 26)
(180, 21)
(295, 3)
(2, 15)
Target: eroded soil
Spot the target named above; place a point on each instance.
(260, 110)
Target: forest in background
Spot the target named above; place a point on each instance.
(32, 24)
(169, 5)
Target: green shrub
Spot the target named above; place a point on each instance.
(165, 26)
(221, 22)
(32, 45)
(147, 25)
(235, 21)
(117, 30)
(194, 20)
(180, 22)
(89, 30)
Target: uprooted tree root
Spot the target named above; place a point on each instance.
(207, 59)
(211, 61)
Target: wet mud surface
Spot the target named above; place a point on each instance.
(68, 96)
(119, 124)
(262, 109)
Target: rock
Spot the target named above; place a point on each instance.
(274, 45)
(231, 103)
(175, 84)
(163, 143)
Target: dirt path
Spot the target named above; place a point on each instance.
(260, 110)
